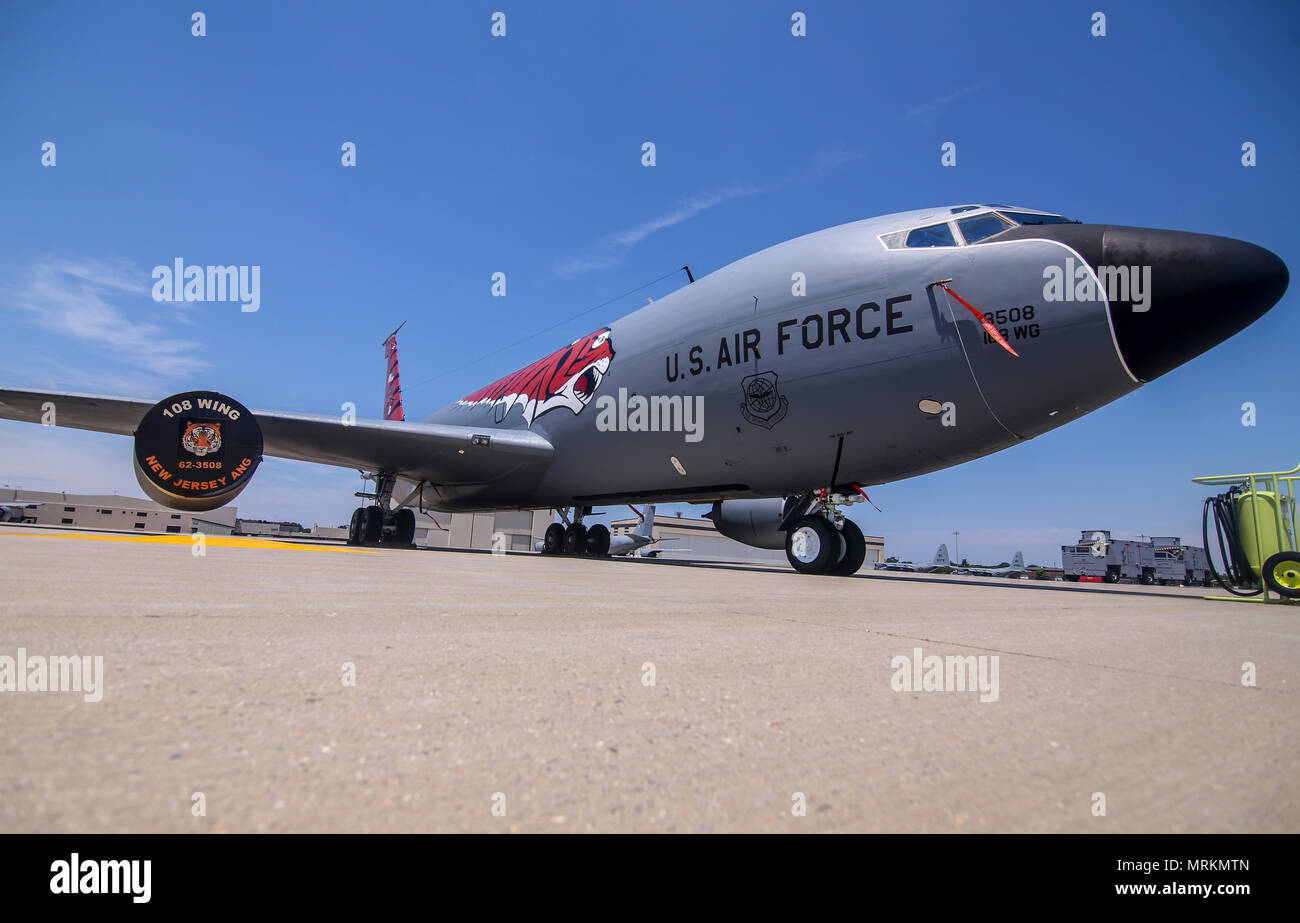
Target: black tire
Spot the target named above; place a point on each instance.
(553, 541)
(374, 524)
(575, 538)
(598, 540)
(1147, 579)
(855, 551)
(405, 526)
(812, 544)
(1112, 576)
(1282, 574)
(356, 527)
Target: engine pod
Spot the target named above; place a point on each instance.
(750, 522)
(197, 450)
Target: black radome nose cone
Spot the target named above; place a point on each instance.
(1194, 290)
(1202, 290)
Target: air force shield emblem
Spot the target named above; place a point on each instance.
(764, 405)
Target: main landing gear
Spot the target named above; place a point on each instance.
(378, 523)
(819, 539)
(572, 537)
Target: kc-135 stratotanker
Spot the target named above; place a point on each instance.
(778, 388)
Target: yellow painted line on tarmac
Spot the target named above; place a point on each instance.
(215, 541)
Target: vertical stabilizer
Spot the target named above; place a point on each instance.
(1018, 562)
(941, 557)
(647, 525)
(393, 385)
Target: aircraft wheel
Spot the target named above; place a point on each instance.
(598, 540)
(373, 524)
(356, 527)
(553, 541)
(855, 551)
(812, 545)
(405, 526)
(1282, 574)
(575, 538)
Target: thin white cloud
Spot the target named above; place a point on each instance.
(48, 373)
(832, 158)
(929, 110)
(611, 250)
(47, 458)
(100, 304)
(683, 212)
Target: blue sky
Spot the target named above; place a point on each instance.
(522, 154)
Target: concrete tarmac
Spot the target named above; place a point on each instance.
(625, 695)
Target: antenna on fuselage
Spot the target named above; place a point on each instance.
(688, 273)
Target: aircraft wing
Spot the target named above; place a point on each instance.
(441, 453)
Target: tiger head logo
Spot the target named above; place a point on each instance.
(201, 438)
(567, 377)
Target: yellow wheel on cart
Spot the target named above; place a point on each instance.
(1282, 574)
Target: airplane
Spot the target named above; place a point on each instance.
(656, 552)
(615, 545)
(940, 560)
(854, 356)
(1017, 567)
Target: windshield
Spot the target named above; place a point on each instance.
(935, 235)
(1027, 218)
(978, 227)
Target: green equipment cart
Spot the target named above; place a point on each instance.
(1255, 524)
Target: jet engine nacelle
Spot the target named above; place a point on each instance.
(196, 451)
(750, 522)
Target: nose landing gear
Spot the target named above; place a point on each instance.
(821, 540)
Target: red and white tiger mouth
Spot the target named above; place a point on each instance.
(533, 388)
(583, 385)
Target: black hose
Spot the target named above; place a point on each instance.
(1235, 566)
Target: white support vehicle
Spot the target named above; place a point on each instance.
(1178, 563)
(1097, 554)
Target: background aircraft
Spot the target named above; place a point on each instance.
(1017, 567)
(940, 560)
(775, 387)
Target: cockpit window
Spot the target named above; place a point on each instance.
(1026, 218)
(934, 235)
(978, 227)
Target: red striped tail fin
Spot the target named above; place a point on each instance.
(393, 385)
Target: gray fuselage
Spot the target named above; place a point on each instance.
(833, 335)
